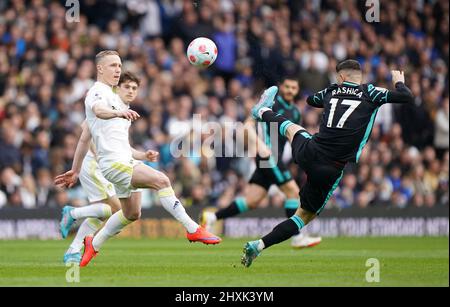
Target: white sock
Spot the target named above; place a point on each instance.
(262, 110)
(97, 210)
(171, 203)
(113, 226)
(88, 227)
(261, 246)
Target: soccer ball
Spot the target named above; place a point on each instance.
(202, 52)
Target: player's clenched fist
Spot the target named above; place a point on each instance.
(398, 76)
(151, 155)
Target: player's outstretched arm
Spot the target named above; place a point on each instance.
(401, 94)
(103, 112)
(82, 148)
(70, 178)
(149, 155)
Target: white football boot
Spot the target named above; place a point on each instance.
(303, 241)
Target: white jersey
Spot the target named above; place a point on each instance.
(109, 136)
(91, 155)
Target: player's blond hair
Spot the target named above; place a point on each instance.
(103, 54)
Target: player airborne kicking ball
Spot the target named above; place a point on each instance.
(350, 109)
(109, 119)
(100, 192)
(264, 177)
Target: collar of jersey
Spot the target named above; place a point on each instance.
(121, 101)
(284, 103)
(350, 84)
(105, 86)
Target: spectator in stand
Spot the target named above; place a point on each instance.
(441, 137)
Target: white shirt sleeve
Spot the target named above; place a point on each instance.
(94, 98)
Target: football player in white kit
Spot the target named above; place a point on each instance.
(100, 192)
(108, 119)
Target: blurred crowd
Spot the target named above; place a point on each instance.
(46, 67)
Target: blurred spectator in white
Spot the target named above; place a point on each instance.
(28, 192)
(441, 137)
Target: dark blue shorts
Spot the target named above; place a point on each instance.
(278, 174)
(323, 175)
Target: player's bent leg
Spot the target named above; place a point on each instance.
(101, 195)
(99, 209)
(253, 195)
(71, 214)
(146, 177)
(292, 130)
(113, 226)
(280, 233)
(131, 210)
(114, 203)
(305, 215)
(285, 126)
(149, 178)
(136, 198)
(291, 205)
(303, 241)
(292, 202)
(88, 228)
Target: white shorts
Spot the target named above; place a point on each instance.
(93, 182)
(119, 173)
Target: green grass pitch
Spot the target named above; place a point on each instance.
(176, 262)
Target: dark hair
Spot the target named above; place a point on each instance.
(348, 65)
(127, 77)
(289, 77)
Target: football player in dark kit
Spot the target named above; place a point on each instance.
(270, 170)
(350, 108)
